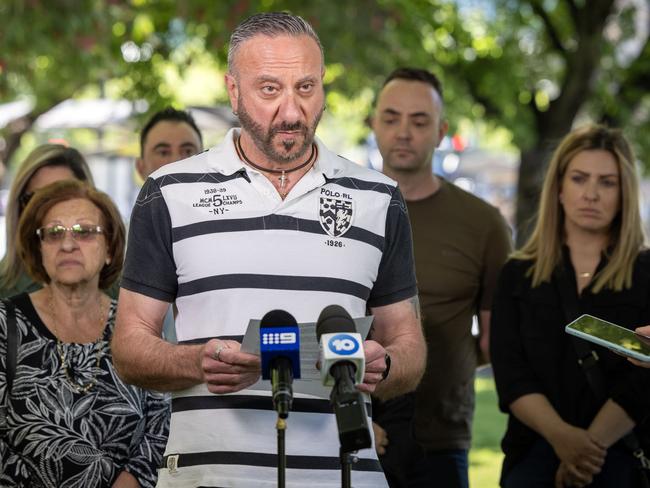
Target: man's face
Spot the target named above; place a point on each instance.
(408, 125)
(276, 87)
(166, 142)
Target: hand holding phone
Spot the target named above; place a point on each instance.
(612, 336)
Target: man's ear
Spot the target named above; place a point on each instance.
(233, 90)
(442, 131)
(444, 128)
(139, 167)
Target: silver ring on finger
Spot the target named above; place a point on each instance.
(220, 347)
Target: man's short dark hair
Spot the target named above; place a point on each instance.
(172, 115)
(416, 74)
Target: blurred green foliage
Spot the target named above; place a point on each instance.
(531, 67)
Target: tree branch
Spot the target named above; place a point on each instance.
(551, 31)
(575, 11)
(491, 109)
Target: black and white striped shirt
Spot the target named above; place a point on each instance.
(215, 237)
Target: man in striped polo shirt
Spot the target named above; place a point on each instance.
(269, 219)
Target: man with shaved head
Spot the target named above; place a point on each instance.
(269, 219)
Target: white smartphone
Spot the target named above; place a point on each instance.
(612, 336)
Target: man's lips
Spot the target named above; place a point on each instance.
(403, 150)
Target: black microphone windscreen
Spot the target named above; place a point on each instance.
(278, 318)
(333, 319)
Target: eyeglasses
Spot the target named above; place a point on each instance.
(80, 232)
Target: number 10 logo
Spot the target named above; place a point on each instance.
(343, 344)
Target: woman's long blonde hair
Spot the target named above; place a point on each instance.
(544, 247)
(11, 267)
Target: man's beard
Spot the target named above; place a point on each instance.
(263, 139)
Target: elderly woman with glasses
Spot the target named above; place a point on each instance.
(69, 419)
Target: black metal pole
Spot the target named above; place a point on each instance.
(346, 470)
(281, 426)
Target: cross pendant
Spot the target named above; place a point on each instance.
(283, 180)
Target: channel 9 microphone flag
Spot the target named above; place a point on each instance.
(280, 357)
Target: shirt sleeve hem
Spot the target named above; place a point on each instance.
(147, 290)
(395, 297)
(506, 399)
(638, 413)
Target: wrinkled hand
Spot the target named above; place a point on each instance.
(569, 475)
(375, 366)
(381, 439)
(579, 451)
(226, 369)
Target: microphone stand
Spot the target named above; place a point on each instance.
(351, 421)
(282, 379)
(281, 426)
(346, 468)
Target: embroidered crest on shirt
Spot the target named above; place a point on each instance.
(335, 215)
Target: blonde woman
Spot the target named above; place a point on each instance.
(46, 164)
(585, 256)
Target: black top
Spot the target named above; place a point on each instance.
(58, 436)
(531, 352)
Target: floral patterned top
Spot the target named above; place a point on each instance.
(57, 437)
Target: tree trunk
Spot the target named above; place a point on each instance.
(532, 168)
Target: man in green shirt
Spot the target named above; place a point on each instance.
(460, 244)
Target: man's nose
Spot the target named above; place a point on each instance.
(404, 130)
(290, 109)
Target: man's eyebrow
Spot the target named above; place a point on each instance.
(391, 111)
(161, 145)
(267, 78)
(311, 78)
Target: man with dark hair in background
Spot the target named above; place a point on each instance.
(268, 219)
(460, 243)
(169, 135)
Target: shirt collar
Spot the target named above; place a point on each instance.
(327, 163)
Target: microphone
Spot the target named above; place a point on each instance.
(342, 365)
(280, 357)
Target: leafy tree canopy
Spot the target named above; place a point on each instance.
(531, 67)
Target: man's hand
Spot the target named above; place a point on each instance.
(226, 369)
(381, 439)
(375, 366)
(582, 455)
